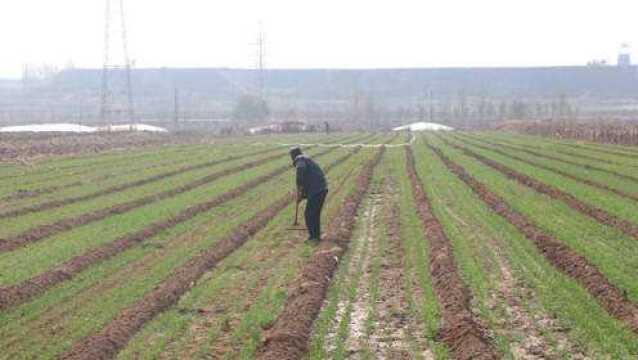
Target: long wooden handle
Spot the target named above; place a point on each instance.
(296, 213)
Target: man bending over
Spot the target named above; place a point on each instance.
(312, 186)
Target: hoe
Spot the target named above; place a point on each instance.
(295, 225)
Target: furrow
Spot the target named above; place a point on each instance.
(114, 337)
(46, 230)
(596, 184)
(564, 259)
(17, 294)
(565, 161)
(288, 337)
(117, 188)
(464, 335)
(601, 150)
(597, 214)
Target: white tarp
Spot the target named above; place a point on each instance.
(63, 127)
(423, 126)
(77, 128)
(132, 127)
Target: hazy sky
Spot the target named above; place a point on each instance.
(321, 33)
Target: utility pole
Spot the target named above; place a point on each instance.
(431, 105)
(111, 70)
(261, 48)
(176, 105)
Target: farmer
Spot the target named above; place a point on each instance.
(312, 186)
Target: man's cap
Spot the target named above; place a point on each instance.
(294, 152)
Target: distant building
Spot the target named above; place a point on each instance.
(624, 56)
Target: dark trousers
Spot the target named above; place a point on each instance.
(313, 214)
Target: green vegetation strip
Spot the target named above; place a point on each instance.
(598, 214)
(553, 169)
(288, 337)
(597, 153)
(610, 297)
(16, 294)
(120, 187)
(605, 169)
(43, 231)
(464, 335)
(108, 342)
(248, 285)
(564, 316)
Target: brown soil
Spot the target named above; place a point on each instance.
(592, 183)
(464, 335)
(226, 343)
(17, 294)
(111, 339)
(117, 188)
(85, 174)
(394, 328)
(564, 259)
(357, 273)
(597, 214)
(518, 323)
(24, 194)
(46, 230)
(26, 147)
(288, 337)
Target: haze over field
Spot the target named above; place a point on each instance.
(326, 34)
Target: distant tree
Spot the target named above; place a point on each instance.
(251, 107)
(519, 109)
(502, 110)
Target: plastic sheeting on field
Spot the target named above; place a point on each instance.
(62, 127)
(423, 126)
(77, 128)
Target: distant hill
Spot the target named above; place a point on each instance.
(597, 82)
(214, 91)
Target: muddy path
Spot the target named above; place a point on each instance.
(600, 215)
(16, 294)
(463, 333)
(111, 339)
(564, 259)
(394, 329)
(380, 324)
(121, 187)
(264, 266)
(353, 282)
(43, 231)
(288, 337)
(598, 185)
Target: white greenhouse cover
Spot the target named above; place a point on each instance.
(423, 126)
(77, 128)
(133, 127)
(63, 127)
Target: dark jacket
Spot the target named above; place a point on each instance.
(310, 177)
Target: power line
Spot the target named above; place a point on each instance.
(116, 76)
